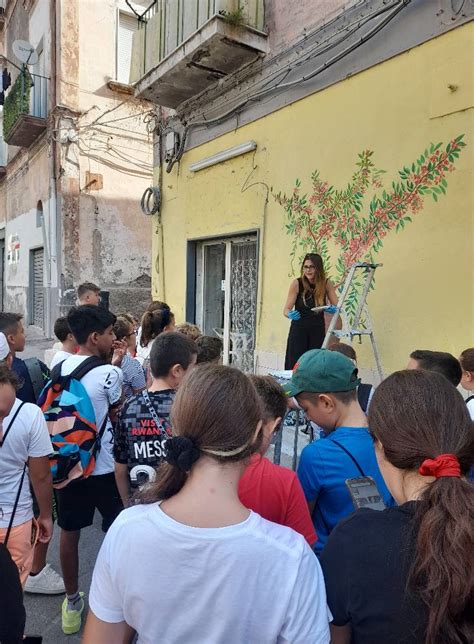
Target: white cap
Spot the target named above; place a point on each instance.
(4, 348)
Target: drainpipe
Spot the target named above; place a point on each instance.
(159, 262)
(49, 232)
(54, 181)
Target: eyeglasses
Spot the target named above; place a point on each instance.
(309, 267)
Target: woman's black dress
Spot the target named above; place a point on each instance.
(306, 333)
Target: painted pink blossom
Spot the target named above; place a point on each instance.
(328, 217)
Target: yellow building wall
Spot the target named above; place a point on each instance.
(424, 295)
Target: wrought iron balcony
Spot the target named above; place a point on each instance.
(183, 46)
(25, 110)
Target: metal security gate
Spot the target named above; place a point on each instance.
(243, 278)
(36, 287)
(226, 296)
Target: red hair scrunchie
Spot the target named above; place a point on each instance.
(441, 466)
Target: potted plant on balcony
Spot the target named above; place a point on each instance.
(17, 102)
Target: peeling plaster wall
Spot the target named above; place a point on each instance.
(106, 238)
(23, 188)
(27, 180)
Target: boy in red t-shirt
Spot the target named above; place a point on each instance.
(273, 491)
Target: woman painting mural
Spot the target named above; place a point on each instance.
(307, 328)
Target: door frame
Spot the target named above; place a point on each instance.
(192, 259)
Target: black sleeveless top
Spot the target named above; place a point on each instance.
(304, 304)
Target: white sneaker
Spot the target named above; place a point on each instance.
(46, 582)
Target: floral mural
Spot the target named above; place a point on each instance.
(344, 227)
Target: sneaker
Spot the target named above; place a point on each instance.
(46, 582)
(71, 619)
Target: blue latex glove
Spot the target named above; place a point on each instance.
(331, 309)
(294, 315)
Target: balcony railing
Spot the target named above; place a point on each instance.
(25, 109)
(191, 33)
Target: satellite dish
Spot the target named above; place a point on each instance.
(25, 52)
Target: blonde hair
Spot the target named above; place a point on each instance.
(192, 331)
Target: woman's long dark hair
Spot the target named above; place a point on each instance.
(318, 289)
(418, 415)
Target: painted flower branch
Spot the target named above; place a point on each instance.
(330, 216)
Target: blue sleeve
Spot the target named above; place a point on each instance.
(308, 473)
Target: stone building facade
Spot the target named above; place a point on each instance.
(75, 158)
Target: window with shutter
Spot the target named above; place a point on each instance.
(127, 25)
(36, 286)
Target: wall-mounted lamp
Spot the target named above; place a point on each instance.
(225, 155)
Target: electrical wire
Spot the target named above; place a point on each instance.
(122, 147)
(122, 118)
(316, 50)
(234, 110)
(140, 138)
(129, 159)
(115, 166)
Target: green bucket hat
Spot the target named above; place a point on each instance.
(322, 371)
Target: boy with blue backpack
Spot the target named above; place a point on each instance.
(84, 391)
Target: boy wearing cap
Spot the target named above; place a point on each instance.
(325, 386)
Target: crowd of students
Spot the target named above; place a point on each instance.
(207, 540)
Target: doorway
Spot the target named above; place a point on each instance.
(226, 295)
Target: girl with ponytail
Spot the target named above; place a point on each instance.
(191, 563)
(156, 319)
(407, 574)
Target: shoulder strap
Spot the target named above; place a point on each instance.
(349, 455)
(36, 375)
(82, 370)
(87, 365)
(151, 409)
(469, 399)
(15, 505)
(5, 433)
(55, 373)
(79, 372)
(17, 499)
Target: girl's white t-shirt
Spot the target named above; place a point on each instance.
(251, 582)
(143, 353)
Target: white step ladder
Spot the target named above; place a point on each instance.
(362, 322)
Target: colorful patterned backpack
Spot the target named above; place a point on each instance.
(71, 421)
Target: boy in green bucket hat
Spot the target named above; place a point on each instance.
(325, 385)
